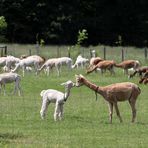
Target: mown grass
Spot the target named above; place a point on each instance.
(85, 123)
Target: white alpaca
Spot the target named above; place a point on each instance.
(63, 61)
(33, 60)
(11, 61)
(10, 78)
(8, 61)
(57, 97)
(57, 63)
(80, 61)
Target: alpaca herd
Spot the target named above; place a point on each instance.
(113, 93)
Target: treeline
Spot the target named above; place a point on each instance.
(58, 21)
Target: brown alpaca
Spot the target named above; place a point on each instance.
(94, 61)
(103, 65)
(144, 79)
(127, 64)
(140, 71)
(114, 93)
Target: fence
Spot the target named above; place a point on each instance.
(116, 53)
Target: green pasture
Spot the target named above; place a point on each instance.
(86, 121)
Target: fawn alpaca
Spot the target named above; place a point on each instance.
(114, 93)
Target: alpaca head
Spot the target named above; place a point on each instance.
(69, 84)
(79, 80)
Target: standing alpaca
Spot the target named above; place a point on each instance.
(33, 60)
(57, 97)
(80, 61)
(114, 93)
(63, 61)
(103, 65)
(127, 64)
(10, 78)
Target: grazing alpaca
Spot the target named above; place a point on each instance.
(94, 61)
(49, 64)
(80, 61)
(33, 60)
(114, 93)
(57, 97)
(103, 65)
(127, 64)
(57, 62)
(144, 79)
(10, 78)
(140, 71)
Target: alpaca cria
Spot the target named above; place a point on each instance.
(10, 78)
(114, 93)
(127, 64)
(57, 97)
(103, 65)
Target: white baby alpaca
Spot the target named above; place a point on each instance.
(57, 97)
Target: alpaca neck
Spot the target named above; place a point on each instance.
(93, 86)
(66, 94)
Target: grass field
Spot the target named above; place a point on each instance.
(86, 121)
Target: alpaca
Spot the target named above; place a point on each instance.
(49, 64)
(94, 61)
(144, 79)
(103, 65)
(63, 61)
(11, 61)
(33, 60)
(114, 93)
(80, 61)
(127, 64)
(10, 78)
(57, 97)
(139, 70)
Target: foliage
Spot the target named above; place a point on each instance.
(82, 35)
(3, 27)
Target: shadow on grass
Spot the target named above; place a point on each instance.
(6, 137)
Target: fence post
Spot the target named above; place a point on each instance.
(122, 54)
(145, 53)
(69, 52)
(29, 52)
(104, 51)
(5, 51)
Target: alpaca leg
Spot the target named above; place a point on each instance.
(44, 107)
(132, 104)
(110, 111)
(117, 111)
(23, 68)
(56, 112)
(4, 89)
(17, 87)
(61, 112)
